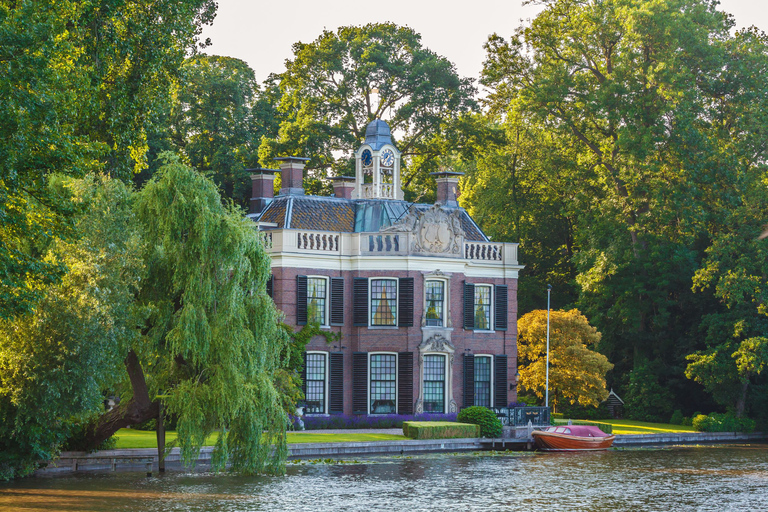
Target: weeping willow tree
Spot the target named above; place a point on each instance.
(212, 343)
(164, 302)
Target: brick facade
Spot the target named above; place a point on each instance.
(405, 339)
(369, 231)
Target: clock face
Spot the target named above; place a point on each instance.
(388, 158)
(367, 158)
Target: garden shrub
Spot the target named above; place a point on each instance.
(677, 417)
(439, 430)
(728, 422)
(647, 398)
(490, 425)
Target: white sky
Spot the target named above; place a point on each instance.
(262, 32)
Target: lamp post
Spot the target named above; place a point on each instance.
(546, 399)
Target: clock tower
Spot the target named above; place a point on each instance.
(377, 165)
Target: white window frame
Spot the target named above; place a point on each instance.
(492, 395)
(370, 302)
(326, 387)
(397, 379)
(446, 361)
(327, 312)
(491, 308)
(446, 302)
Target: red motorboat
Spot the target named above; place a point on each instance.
(568, 438)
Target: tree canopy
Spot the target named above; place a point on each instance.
(576, 372)
(81, 85)
(165, 300)
(334, 86)
(654, 114)
(218, 118)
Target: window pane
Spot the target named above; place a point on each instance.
(383, 383)
(482, 308)
(383, 302)
(435, 299)
(316, 293)
(483, 381)
(315, 397)
(434, 383)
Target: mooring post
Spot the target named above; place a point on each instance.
(160, 441)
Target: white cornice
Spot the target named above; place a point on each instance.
(408, 263)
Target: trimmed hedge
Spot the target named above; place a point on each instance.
(490, 425)
(439, 430)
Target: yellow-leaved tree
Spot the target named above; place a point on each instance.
(576, 373)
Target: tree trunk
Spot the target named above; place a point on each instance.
(138, 409)
(742, 401)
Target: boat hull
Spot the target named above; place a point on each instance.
(551, 441)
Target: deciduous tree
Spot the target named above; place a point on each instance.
(334, 86)
(165, 300)
(81, 84)
(659, 112)
(576, 373)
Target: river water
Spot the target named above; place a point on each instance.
(685, 478)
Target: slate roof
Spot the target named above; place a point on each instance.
(324, 213)
(377, 134)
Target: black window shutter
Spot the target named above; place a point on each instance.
(501, 381)
(360, 301)
(301, 300)
(336, 384)
(337, 301)
(501, 307)
(360, 383)
(304, 375)
(405, 291)
(271, 286)
(405, 383)
(469, 305)
(469, 380)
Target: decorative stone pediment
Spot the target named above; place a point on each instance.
(437, 343)
(435, 231)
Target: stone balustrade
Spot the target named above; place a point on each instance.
(385, 191)
(317, 241)
(485, 251)
(384, 244)
(379, 244)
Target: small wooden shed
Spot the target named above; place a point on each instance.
(614, 404)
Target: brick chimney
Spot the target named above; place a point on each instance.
(343, 186)
(292, 175)
(263, 188)
(447, 187)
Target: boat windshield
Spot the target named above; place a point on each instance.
(559, 430)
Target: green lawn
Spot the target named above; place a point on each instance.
(641, 427)
(128, 438)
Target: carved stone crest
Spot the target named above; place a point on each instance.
(437, 343)
(435, 231)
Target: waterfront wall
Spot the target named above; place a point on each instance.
(135, 459)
